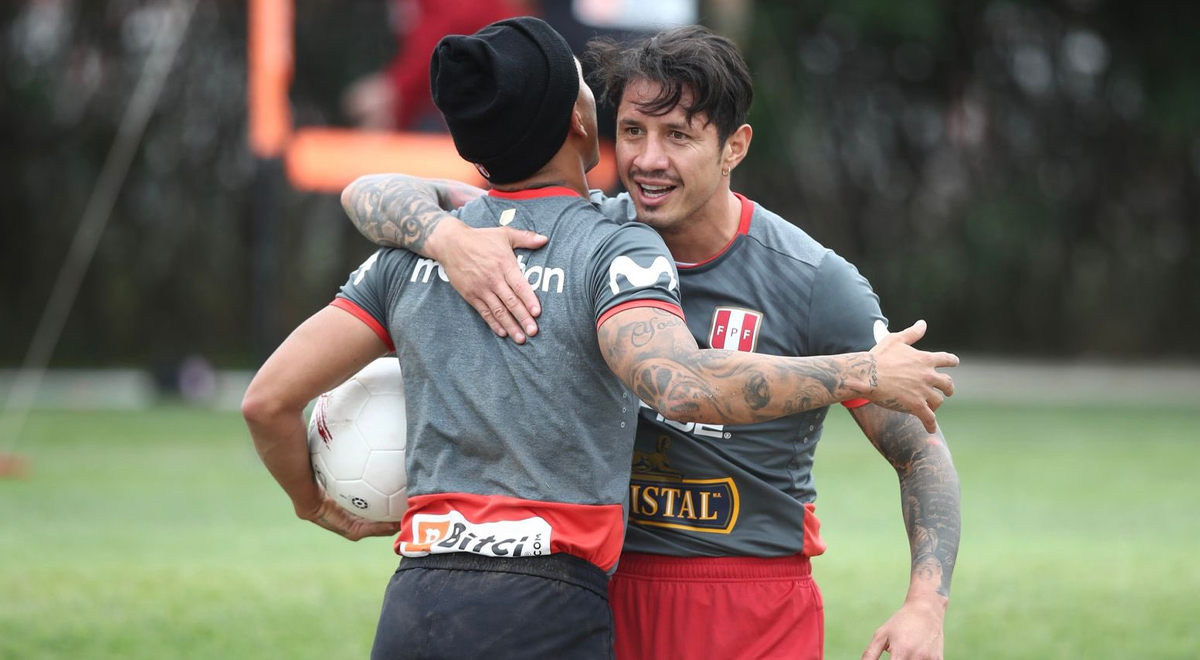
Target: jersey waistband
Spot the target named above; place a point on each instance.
(637, 564)
(561, 567)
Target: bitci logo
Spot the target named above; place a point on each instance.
(452, 532)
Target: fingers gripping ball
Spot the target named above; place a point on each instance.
(356, 437)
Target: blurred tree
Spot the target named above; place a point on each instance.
(1024, 175)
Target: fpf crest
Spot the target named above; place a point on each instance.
(735, 329)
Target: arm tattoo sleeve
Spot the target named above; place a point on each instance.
(395, 210)
(929, 489)
(655, 354)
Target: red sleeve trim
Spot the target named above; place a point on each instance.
(855, 403)
(657, 304)
(362, 315)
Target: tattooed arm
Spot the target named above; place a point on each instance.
(653, 353)
(396, 210)
(929, 496)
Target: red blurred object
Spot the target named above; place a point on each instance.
(422, 24)
(13, 466)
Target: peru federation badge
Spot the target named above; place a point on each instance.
(735, 329)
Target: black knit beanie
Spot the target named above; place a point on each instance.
(506, 93)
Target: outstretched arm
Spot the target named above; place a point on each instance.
(396, 210)
(653, 352)
(929, 495)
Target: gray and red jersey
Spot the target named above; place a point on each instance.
(518, 450)
(747, 490)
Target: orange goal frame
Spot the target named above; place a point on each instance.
(326, 159)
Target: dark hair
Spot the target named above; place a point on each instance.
(691, 58)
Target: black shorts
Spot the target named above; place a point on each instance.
(463, 606)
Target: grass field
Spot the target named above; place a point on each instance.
(159, 535)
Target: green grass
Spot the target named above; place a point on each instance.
(159, 534)
(1080, 535)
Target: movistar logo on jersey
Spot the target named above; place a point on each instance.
(639, 277)
(661, 496)
(541, 278)
(452, 532)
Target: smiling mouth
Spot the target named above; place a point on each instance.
(654, 192)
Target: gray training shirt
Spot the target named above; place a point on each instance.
(714, 490)
(518, 450)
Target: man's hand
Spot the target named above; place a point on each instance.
(907, 379)
(913, 633)
(483, 270)
(330, 515)
(408, 212)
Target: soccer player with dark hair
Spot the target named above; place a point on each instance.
(518, 457)
(722, 517)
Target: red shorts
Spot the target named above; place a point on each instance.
(701, 608)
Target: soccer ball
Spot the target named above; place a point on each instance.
(356, 438)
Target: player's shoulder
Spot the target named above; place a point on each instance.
(535, 209)
(633, 240)
(618, 208)
(772, 233)
(386, 257)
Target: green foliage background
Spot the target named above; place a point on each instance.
(1025, 174)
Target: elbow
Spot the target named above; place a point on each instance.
(659, 405)
(348, 195)
(674, 390)
(685, 409)
(254, 407)
(355, 191)
(260, 406)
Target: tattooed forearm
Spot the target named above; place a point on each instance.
(658, 357)
(395, 210)
(929, 490)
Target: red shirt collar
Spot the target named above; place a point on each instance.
(535, 193)
(743, 228)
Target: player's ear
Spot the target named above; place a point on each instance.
(577, 124)
(736, 147)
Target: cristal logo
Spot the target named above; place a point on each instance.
(661, 496)
(639, 277)
(452, 532)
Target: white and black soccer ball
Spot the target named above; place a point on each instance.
(356, 437)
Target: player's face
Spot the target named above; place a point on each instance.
(586, 103)
(672, 168)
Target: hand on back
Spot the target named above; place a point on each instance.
(483, 270)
